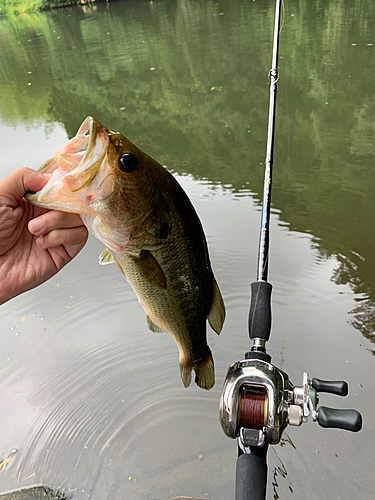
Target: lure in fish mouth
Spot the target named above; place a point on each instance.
(137, 209)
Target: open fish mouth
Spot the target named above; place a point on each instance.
(74, 183)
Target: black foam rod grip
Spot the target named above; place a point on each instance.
(260, 310)
(350, 420)
(338, 387)
(251, 477)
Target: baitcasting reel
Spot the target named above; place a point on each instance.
(258, 401)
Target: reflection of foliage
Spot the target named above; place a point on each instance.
(9, 7)
(202, 108)
(363, 131)
(364, 319)
(350, 271)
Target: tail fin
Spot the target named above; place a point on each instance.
(204, 373)
(185, 374)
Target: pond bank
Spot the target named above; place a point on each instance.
(11, 7)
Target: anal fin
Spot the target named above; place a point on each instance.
(154, 328)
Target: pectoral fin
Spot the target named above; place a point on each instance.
(154, 328)
(106, 258)
(216, 316)
(149, 268)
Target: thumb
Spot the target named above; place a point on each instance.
(16, 184)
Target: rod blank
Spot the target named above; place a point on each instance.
(266, 207)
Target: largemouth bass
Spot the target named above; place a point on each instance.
(137, 209)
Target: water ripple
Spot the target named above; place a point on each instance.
(102, 397)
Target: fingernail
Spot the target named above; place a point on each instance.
(48, 176)
(39, 241)
(36, 225)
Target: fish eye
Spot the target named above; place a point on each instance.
(128, 163)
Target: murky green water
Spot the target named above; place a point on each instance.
(92, 400)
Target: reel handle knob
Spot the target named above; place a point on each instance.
(338, 387)
(349, 420)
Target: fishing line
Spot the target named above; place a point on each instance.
(253, 408)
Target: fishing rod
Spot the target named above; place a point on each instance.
(258, 400)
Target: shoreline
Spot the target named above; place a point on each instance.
(33, 6)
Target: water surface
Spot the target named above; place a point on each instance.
(91, 400)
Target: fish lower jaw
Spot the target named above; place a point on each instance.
(56, 198)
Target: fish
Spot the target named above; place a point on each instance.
(150, 228)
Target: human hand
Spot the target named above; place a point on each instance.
(35, 243)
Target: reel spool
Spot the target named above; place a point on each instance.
(253, 408)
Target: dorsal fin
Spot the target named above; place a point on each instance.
(216, 316)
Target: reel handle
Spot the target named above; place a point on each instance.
(349, 420)
(338, 387)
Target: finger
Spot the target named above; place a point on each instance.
(76, 236)
(54, 220)
(16, 184)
